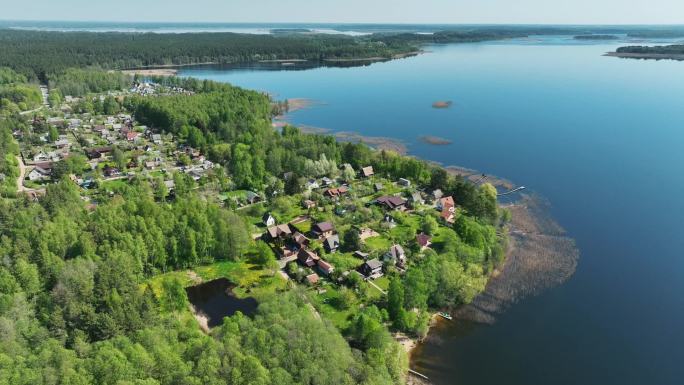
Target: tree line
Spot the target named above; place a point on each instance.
(39, 54)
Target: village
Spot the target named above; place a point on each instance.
(340, 236)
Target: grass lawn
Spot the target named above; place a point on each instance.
(383, 282)
(304, 227)
(378, 243)
(323, 302)
(343, 261)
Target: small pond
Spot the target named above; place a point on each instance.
(216, 300)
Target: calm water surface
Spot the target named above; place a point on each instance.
(216, 300)
(602, 138)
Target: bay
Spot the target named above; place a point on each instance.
(602, 138)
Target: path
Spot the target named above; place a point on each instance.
(20, 180)
(44, 93)
(370, 282)
(22, 174)
(377, 287)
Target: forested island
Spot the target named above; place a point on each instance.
(595, 37)
(671, 52)
(118, 192)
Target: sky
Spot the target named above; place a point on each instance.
(352, 11)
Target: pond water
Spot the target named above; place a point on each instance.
(602, 138)
(216, 300)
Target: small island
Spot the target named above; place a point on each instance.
(435, 140)
(668, 52)
(441, 104)
(596, 37)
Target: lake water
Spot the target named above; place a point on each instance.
(602, 138)
(216, 300)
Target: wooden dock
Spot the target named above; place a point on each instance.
(418, 374)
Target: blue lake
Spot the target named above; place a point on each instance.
(602, 138)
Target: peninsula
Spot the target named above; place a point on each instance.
(667, 52)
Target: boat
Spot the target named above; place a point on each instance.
(445, 315)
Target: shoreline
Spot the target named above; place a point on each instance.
(540, 256)
(175, 67)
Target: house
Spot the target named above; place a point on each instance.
(437, 194)
(325, 181)
(308, 204)
(445, 202)
(98, 152)
(448, 214)
(336, 192)
(372, 269)
(150, 165)
(110, 171)
(367, 171)
(41, 157)
(395, 255)
(268, 220)
(360, 254)
(196, 174)
(325, 267)
(300, 240)
(332, 243)
(377, 187)
(404, 182)
(312, 279)
(132, 136)
(389, 220)
(157, 138)
(279, 232)
(61, 143)
(323, 229)
(417, 199)
(38, 174)
(392, 202)
(307, 258)
(311, 184)
(252, 197)
(423, 240)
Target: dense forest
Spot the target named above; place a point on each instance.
(662, 50)
(39, 54)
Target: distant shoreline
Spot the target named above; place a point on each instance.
(168, 68)
(646, 56)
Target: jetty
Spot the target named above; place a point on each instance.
(418, 374)
(511, 191)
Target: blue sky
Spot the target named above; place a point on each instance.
(351, 11)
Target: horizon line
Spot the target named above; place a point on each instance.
(353, 23)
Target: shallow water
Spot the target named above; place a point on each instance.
(602, 138)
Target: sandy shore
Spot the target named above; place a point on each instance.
(296, 104)
(378, 142)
